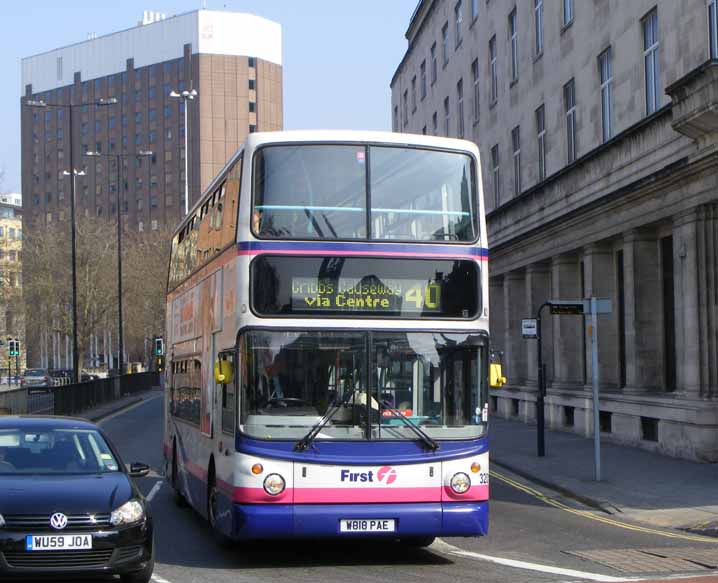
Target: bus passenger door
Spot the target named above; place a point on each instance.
(226, 379)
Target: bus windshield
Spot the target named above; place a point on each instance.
(364, 192)
(435, 380)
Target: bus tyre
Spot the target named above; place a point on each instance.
(417, 541)
(178, 497)
(212, 511)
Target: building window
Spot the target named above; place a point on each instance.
(446, 116)
(252, 107)
(516, 143)
(567, 12)
(405, 109)
(457, 21)
(604, 67)
(713, 27)
(514, 38)
(541, 139)
(422, 81)
(252, 84)
(492, 69)
(433, 63)
(252, 129)
(435, 124)
(445, 43)
(395, 124)
(475, 81)
(650, 59)
(538, 25)
(252, 62)
(474, 9)
(569, 99)
(460, 107)
(495, 175)
(413, 94)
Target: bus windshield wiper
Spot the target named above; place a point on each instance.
(423, 435)
(304, 443)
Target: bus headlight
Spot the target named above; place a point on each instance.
(2, 521)
(460, 483)
(274, 484)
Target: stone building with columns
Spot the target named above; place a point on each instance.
(598, 131)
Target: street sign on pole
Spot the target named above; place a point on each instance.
(531, 328)
(568, 307)
(528, 328)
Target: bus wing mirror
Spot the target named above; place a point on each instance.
(496, 376)
(223, 372)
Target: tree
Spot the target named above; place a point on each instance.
(48, 289)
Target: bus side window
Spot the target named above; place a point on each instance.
(229, 395)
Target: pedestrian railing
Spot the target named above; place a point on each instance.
(73, 399)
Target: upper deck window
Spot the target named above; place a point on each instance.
(320, 192)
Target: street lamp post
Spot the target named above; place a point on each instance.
(120, 337)
(185, 96)
(74, 173)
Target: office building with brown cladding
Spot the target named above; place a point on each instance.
(232, 60)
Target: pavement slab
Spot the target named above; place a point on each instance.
(639, 484)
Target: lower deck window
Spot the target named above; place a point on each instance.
(186, 390)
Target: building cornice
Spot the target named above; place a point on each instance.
(416, 25)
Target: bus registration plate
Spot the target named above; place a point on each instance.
(367, 525)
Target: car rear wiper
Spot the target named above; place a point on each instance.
(423, 436)
(304, 443)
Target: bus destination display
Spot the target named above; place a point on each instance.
(368, 294)
(365, 287)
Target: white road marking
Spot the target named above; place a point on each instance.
(153, 492)
(444, 547)
(159, 579)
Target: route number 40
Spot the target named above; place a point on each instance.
(429, 297)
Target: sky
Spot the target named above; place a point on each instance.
(339, 55)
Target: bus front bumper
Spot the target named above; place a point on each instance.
(264, 521)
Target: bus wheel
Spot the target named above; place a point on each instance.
(212, 510)
(417, 541)
(179, 498)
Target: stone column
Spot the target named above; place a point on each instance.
(515, 310)
(538, 290)
(644, 315)
(568, 357)
(496, 312)
(600, 281)
(687, 305)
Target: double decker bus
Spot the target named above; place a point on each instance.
(328, 341)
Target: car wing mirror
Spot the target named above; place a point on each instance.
(139, 470)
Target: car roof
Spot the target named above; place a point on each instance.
(40, 422)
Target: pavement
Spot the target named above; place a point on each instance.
(636, 484)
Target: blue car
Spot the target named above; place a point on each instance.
(68, 504)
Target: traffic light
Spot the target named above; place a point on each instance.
(159, 346)
(160, 363)
(13, 347)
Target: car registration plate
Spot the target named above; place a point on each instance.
(58, 542)
(367, 525)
